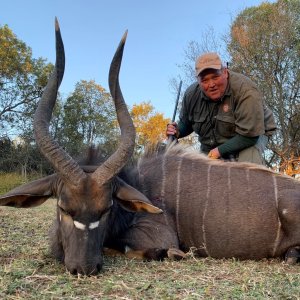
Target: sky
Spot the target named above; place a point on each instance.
(158, 34)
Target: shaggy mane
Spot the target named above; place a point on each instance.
(177, 149)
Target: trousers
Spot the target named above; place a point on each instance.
(254, 154)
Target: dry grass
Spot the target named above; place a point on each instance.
(28, 272)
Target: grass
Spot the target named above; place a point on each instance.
(28, 272)
(11, 180)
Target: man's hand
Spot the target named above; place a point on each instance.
(214, 153)
(172, 130)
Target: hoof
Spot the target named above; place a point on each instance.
(292, 255)
(175, 254)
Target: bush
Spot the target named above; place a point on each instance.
(8, 181)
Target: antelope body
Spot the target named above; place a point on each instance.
(169, 202)
(219, 208)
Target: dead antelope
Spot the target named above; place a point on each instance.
(85, 200)
(220, 209)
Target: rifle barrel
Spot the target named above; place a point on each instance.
(177, 100)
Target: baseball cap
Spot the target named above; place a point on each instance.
(209, 60)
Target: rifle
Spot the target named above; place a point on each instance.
(171, 138)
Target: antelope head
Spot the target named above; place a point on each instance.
(84, 199)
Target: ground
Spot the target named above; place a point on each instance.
(27, 271)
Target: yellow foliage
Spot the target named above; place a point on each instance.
(15, 56)
(150, 125)
(240, 35)
(291, 166)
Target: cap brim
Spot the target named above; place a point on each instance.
(214, 67)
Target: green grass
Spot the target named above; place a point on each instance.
(28, 272)
(11, 180)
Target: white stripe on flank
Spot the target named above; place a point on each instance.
(191, 237)
(248, 179)
(79, 225)
(178, 196)
(205, 210)
(229, 178)
(163, 179)
(163, 186)
(94, 225)
(277, 240)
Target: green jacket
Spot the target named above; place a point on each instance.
(241, 112)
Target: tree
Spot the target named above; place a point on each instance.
(89, 119)
(209, 42)
(150, 125)
(22, 80)
(264, 44)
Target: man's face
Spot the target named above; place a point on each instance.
(213, 83)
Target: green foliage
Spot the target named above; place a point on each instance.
(89, 119)
(22, 157)
(8, 181)
(15, 56)
(22, 79)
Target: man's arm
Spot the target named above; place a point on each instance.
(233, 145)
(237, 144)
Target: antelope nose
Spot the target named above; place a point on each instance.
(86, 269)
(91, 269)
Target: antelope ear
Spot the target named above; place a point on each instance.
(30, 194)
(133, 200)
